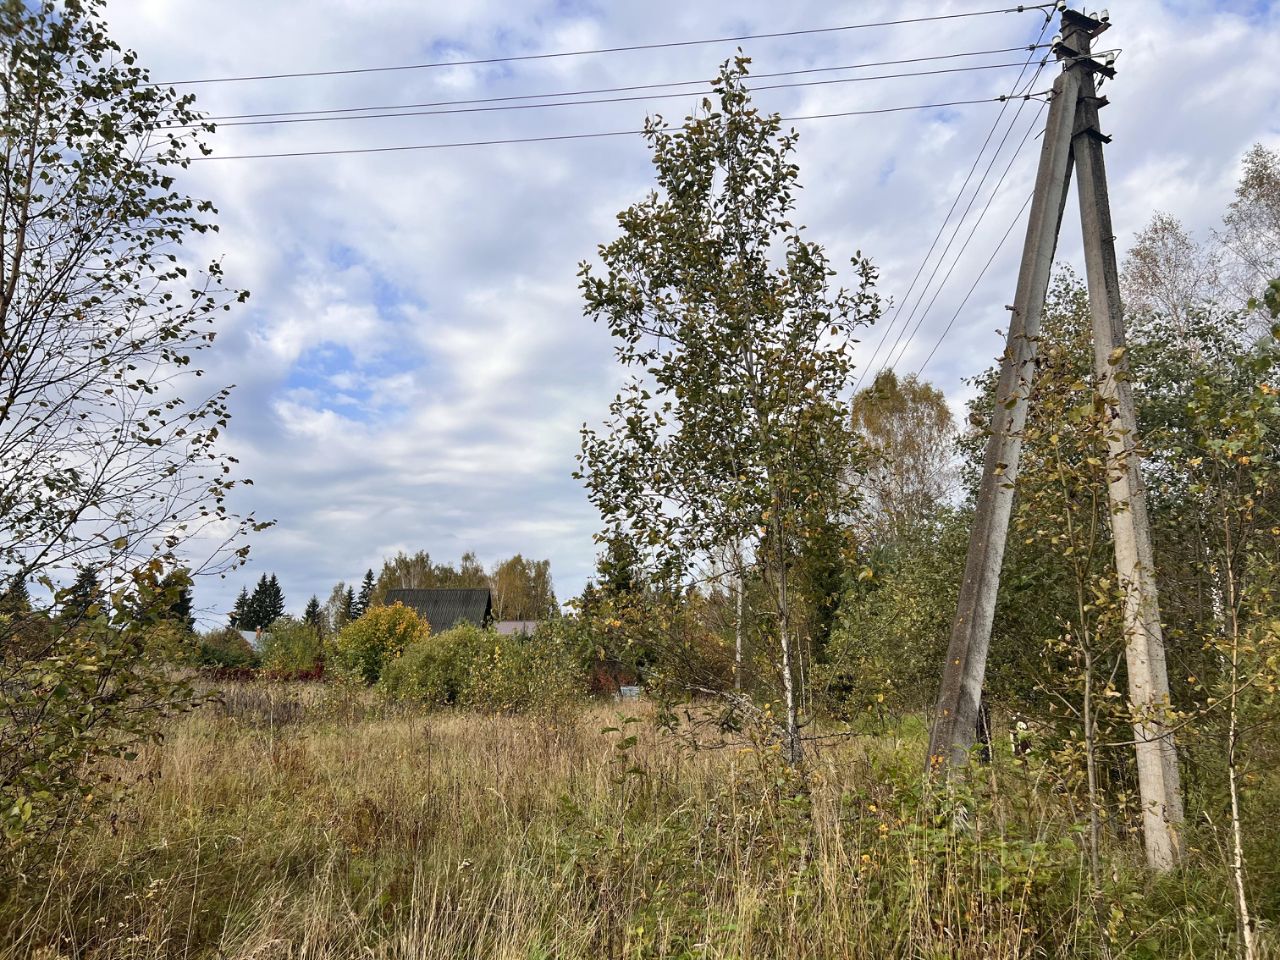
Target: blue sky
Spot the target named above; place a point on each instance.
(413, 367)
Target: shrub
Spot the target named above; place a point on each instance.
(363, 647)
(438, 669)
(226, 647)
(519, 673)
(470, 667)
(291, 647)
(75, 690)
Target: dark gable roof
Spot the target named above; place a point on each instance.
(446, 607)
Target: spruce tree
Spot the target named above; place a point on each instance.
(177, 586)
(257, 610)
(349, 606)
(366, 594)
(240, 611)
(83, 594)
(258, 605)
(275, 601)
(15, 601)
(312, 615)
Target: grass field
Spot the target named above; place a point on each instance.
(293, 822)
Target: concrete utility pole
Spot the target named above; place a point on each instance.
(1072, 137)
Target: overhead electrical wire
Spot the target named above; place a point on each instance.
(575, 103)
(321, 113)
(701, 82)
(889, 360)
(995, 125)
(584, 136)
(976, 280)
(514, 58)
(973, 230)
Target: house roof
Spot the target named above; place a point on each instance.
(446, 607)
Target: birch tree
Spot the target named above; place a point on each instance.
(109, 460)
(734, 426)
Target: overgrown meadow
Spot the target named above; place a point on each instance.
(308, 821)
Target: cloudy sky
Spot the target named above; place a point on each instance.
(413, 367)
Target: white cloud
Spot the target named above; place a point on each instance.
(413, 366)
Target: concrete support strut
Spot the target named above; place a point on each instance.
(956, 716)
(1159, 783)
(1072, 139)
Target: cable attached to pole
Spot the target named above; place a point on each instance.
(602, 50)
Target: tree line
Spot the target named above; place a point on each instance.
(522, 589)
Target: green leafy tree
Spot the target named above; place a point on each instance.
(108, 455)
(1251, 226)
(74, 694)
(910, 438)
(1234, 466)
(522, 589)
(472, 667)
(417, 571)
(225, 647)
(334, 607)
(734, 428)
(101, 312)
(894, 616)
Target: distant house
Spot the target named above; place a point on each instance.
(447, 607)
(511, 628)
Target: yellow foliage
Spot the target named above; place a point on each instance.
(365, 645)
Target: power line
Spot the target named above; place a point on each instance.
(703, 81)
(1021, 8)
(995, 125)
(977, 223)
(585, 136)
(889, 361)
(978, 279)
(600, 100)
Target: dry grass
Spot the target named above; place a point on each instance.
(284, 824)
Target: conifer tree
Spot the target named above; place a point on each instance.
(176, 590)
(255, 612)
(312, 615)
(240, 611)
(15, 601)
(366, 593)
(348, 609)
(84, 592)
(274, 606)
(265, 604)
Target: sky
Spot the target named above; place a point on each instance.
(413, 367)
